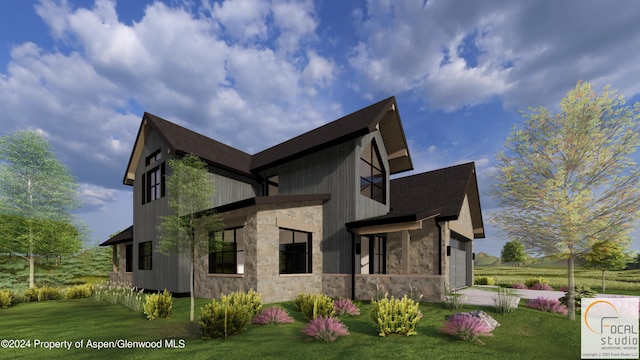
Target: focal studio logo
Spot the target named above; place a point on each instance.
(610, 328)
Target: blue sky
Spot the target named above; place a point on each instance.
(254, 73)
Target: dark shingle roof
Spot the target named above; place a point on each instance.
(438, 193)
(347, 127)
(123, 236)
(183, 141)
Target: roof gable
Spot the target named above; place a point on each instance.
(382, 116)
(438, 193)
(182, 141)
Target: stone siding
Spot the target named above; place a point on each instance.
(430, 286)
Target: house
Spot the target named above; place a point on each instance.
(317, 213)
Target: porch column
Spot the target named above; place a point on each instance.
(114, 258)
(406, 250)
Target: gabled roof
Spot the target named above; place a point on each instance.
(123, 236)
(438, 193)
(382, 116)
(183, 141)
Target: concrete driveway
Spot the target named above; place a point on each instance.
(483, 295)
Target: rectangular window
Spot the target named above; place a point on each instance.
(272, 185)
(373, 254)
(226, 251)
(145, 256)
(153, 158)
(154, 187)
(128, 258)
(295, 252)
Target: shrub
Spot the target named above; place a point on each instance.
(581, 291)
(484, 280)
(345, 307)
(230, 314)
(49, 293)
(314, 305)
(120, 293)
(7, 298)
(158, 305)
(564, 288)
(325, 328)
(415, 294)
(31, 294)
(272, 315)
(466, 327)
(518, 286)
(454, 302)
(541, 286)
(79, 291)
(503, 301)
(548, 305)
(534, 280)
(395, 316)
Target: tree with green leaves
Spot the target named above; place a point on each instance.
(513, 252)
(567, 180)
(608, 255)
(37, 195)
(189, 191)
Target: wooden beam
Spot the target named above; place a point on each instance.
(388, 228)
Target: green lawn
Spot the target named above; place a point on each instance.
(525, 334)
(626, 282)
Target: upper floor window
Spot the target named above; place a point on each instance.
(295, 252)
(226, 251)
(145, 256)
(272, 184)
(372, 174)
(153, 180)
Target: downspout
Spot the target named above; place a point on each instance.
(353, 265)
(439, 246)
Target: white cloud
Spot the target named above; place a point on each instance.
(458, 54)
(95, 198)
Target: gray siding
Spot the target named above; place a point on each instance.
(335, 171)
(172, 271)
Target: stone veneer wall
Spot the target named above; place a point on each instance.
(262, 249)
(423, 251)
(430, 286)
(120, 276)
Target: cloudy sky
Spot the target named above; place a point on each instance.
(254, 73)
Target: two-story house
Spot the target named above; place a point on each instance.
(317, 213)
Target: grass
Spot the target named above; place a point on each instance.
(626, 282)
(528, 333)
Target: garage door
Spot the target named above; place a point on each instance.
(457, 268)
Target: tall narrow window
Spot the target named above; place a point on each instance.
(145, 256)
(272, 185)
(373, 254)
(372, 174)
(153, 180)
(226, 251)
(295, 252)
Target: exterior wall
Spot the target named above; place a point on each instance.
(172, 271)
(262, 268)
(424, 251)
(464, 227)
(336, 171)
(118, 275)
(431, 287)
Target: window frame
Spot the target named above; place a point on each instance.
(145, 255)
(373, 174)
(153, 180)
(272, 185)
(236, 251)
(128, 258)
(290, 259)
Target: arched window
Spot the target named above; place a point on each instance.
(372, 174)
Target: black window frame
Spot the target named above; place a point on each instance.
(145, 255)
(373, 174)
(153, 180)
(217, 258)
(272, 184)
(294, 258)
